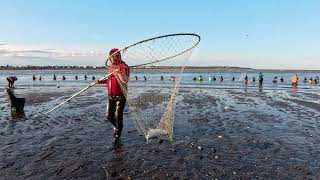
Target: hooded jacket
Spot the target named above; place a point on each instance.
(112, 84)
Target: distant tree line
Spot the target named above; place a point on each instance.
(29, 67)
(8, 67)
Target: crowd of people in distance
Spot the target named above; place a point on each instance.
(172, 78)
(34, 78)
(244, 78)
(276, 79)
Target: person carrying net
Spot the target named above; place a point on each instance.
(153, 109)
(116, 86)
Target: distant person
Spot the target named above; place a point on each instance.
(200, 78)
(161, 78)
(294, 80)
(145, 78)
(34, 77)
(233, 78)
(40, 78)
(93, 78)
(260, 78)
(305, 80)
(254, 79)
(210, 78)
(221, 79)
(275, 79)
(63, 78)
(136, 78)
(194, 78)
(315, 81)
(246, 79)
(311, 80)
(173, 78)
(11, 80)
(85, 77)
(281, 79)
(214, 78)
(76, 77)
(54, 77)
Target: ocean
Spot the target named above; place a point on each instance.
(25, 78)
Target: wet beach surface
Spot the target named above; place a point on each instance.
(244, 133)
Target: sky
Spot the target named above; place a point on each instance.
(266, 34)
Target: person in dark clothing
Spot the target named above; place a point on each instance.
(85, 77)
(34, 77)
(275, 79)
(221, 78)
(253, 79)
(17, 104)
(116, 85)
(93, 78)
(246, 79)
(233, 78)
(260, 78)
(54, 77)
(11, 80)
(200, 78)
(76, 77)
(311, 80)
(281, 79)
(63, 78)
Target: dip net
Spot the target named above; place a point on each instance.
(156, 68)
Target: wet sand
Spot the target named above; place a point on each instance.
(245, 133)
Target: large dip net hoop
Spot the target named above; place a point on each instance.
(156, 68)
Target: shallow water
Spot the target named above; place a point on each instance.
(221, 131)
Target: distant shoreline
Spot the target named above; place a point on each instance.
(103, 67)
(187, 68)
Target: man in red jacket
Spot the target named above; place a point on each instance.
(117, 91)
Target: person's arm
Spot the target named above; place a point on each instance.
(101, 82)
(110, 72)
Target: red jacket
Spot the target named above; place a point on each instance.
(112, 84)
(113, 87)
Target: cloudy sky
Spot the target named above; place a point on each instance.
(259, 34)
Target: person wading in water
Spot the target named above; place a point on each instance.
(294, 80)
(117, 87)
(11, 80)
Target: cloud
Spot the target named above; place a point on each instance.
(32, 52)
(29, 55)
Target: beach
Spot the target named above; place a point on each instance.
(221, 131)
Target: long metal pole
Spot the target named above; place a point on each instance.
(91, 85)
